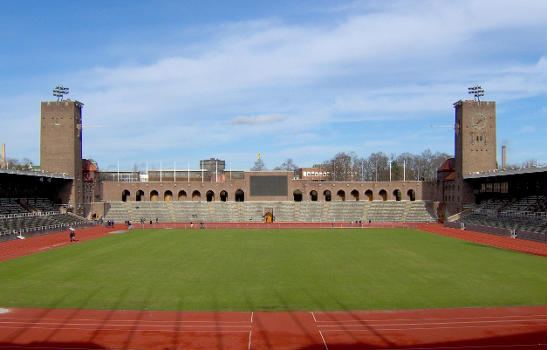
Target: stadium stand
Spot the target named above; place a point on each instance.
(25, 217)
(523, 217)
(283, 211)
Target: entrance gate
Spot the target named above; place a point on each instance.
(268, 215)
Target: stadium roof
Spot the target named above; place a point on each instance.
(505, 172)
(35, 173)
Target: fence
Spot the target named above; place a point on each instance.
(274, 225)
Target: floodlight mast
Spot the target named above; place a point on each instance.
(60, 91)
(477, 91)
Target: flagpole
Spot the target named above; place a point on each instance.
(175, 171)
(118, 171)
(389, 171)
(404, 170)
(161, 167)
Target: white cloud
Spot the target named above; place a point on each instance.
(258, 119)
(527, 129)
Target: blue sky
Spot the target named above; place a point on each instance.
(180, 81)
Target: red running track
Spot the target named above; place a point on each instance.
(521, 245)
(508, 328)
(20, 247)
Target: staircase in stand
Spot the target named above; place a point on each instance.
(211, 211)
(366, 208)
(325, 211)
(297, 211)
(129, 209)
(171, 211)
(406, 210)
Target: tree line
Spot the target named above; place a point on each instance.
(376, 167)
(382, 167)
(16, 164)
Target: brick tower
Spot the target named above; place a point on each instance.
(475, 137)
(61, 144)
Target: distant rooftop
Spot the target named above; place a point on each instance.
(506, 172)
(36, 173)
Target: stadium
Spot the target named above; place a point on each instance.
(221, 259)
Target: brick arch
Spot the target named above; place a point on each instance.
(383, 194)
(239, 195)
(223, 195)
(411, 195)
(126, 195)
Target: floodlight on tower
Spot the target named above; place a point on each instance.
(477, 91)
(59, 92)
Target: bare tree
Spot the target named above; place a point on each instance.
(379, 162)
(350, 167)
(530, 163)
(287, 165)
(12, 163)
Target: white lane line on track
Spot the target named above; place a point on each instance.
(324, 342)
(113, 324)
(364, 329)
(249, 344)
(313, 315)
(127, 330)
(507, 346)
(370, 324)
(252, 315)
(52, 246)
(429, 318)
(61, 320)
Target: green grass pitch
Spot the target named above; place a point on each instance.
(243, 270)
